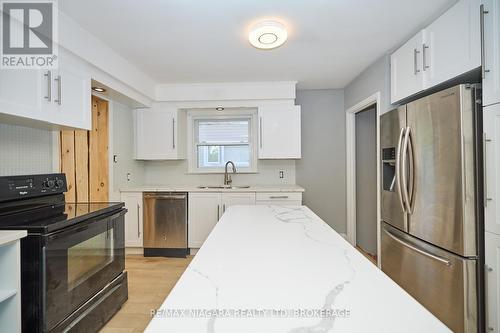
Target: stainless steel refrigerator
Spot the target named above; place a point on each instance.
(429, 201)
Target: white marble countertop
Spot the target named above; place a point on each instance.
(7, 236)
(278, 258)
(194, 188)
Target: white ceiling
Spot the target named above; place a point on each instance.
(187, 41)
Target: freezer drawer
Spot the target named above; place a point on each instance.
(442, 282)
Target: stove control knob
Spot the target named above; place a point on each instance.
(48, 183)
(59, 183)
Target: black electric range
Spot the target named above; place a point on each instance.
(73, 259)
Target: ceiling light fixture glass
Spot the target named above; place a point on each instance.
(267, 35)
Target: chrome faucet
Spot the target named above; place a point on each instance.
(227, 177)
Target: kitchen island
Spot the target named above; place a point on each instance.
(282, 269)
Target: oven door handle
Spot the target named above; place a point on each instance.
(82, 226)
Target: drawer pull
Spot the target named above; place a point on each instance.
(278, 197)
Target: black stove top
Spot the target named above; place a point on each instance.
(26, 203)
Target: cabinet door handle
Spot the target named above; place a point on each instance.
(485, 170)
(59, 90)
(260, 131)
(424, 57)
(173, 133)
(482, 12)
(223, 208)
(415, 63)
(138, 221)
(218, 212)
(48, 75)
(278, 197)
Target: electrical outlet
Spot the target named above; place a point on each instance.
(128, 176)
(282, 174)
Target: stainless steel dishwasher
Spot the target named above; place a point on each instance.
(165, 224)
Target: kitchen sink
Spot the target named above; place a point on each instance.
(222, 187)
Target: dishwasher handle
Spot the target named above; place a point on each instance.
(165, 196)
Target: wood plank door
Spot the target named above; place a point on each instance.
(84, 157)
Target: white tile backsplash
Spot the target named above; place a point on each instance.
(25, 150)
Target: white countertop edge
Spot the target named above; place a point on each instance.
(7, 236)
(194, 188)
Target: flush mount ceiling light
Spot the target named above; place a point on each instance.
(98, 89)
(267, 35)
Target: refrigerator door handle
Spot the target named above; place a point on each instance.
(418, 250)
(398, 169)
(411, 184)
(404, 153)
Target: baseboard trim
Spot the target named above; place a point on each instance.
(134, 250)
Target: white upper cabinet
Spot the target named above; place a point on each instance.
(71, 93)
(160, 133)
(447, 48)
(407, 77)
(452, 43)
(279, 132)
(59, 97)
(491, 49)
(491, 128)
(22, 91)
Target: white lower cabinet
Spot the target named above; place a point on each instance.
(204, 210)
(133, 219)
(491, 128)
(231, 199)
(279, 198)
(492, 281)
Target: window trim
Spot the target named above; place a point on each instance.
(192, 157)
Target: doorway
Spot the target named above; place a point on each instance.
(84, 157)
(363, 176)
(366, 181)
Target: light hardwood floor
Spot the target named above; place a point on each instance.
(150, 280)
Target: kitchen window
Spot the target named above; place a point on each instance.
(218, 137)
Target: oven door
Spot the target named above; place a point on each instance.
(80, 261)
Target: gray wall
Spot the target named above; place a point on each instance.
(366, 180)
(25, 150)
(375, 78)
(321, 171)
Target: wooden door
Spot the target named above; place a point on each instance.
(84, 158)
